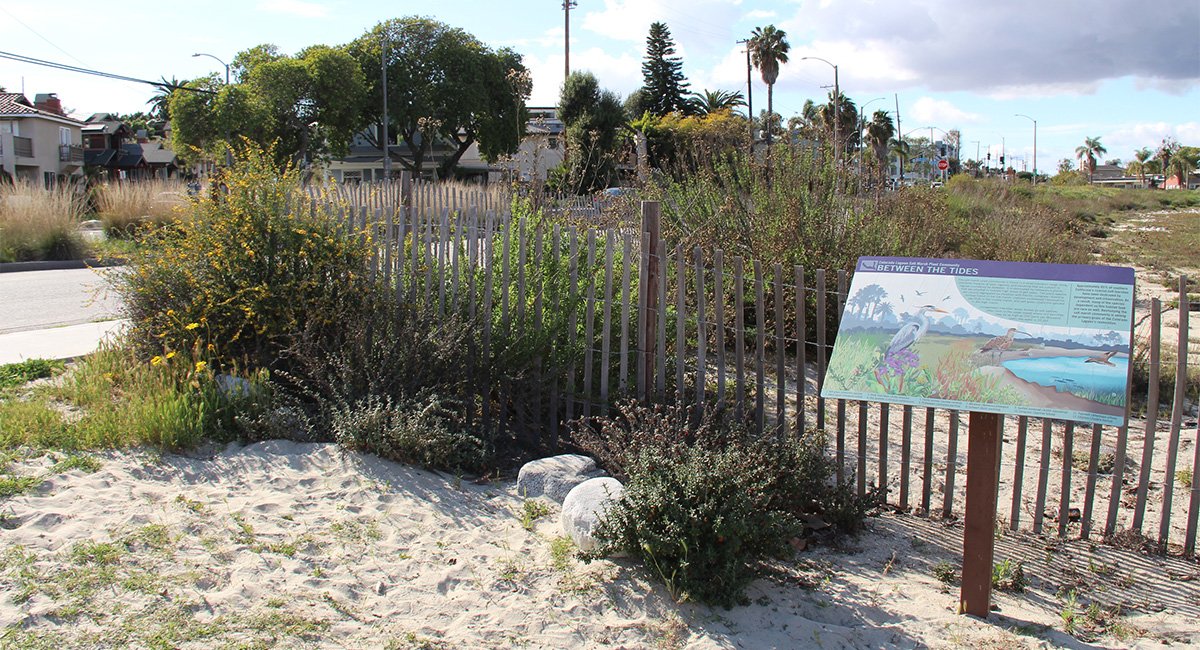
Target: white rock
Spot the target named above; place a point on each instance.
(554, 477)
(586, 505)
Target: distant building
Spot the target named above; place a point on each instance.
(38, 141)
(1172, 182)
(112, 146)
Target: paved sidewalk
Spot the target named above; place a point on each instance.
(56, 343)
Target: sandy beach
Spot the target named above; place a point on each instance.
(282, 544)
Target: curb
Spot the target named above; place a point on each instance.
(60, 265)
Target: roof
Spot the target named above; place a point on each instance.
(152, 152)
(17, 105)
(104, 123)
(100, 157)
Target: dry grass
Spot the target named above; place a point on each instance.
(39, 224)
(127, 207)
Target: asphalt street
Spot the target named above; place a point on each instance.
(32, 300)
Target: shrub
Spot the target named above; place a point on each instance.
(430, 432)
(38, 223)
(247, 275)
(704, 501)
(127, 208)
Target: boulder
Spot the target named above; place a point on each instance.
(554, 477)
(586, 505)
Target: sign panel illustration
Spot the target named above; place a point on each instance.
(1043, 340)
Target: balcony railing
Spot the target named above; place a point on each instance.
(23, 147)
(70, 153)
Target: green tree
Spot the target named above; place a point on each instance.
(1143, 155)
(1088, 153)
(160, 101)
(1183, 161)
(713, 101)
(768, 49)
(849, 120)
(443, 86)
(662, 74)
(304, 104)
(593, 119)
(637, 104)
(899, 148)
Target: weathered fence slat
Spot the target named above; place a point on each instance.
(1189, 544)
(1181, 356)
(522, 256)
(660, 381)
(680, 322)
(883, 449)
(606, 336)
(951, 465)
(443, 237)
(860, 448)
(1068, 460)
(760, 354)
(701, 334)
(927, 464)
(819, 290)
(1019, 472)
(644, 344)
(589, 320)
(905, 455)
(719, 320)
(1093, 469)
(839, 305)
(739, 331)
(573, 318)
(1118, 477)
(1151, 415)
(1043, 477)
(780, 348)
(626, 267)
(801, 350)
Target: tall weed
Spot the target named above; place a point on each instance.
(126, 208)
(38, 223)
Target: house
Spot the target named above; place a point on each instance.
(1172, 182)
(1114, 176)
(38, 141)
(112, 146)
(540, 150)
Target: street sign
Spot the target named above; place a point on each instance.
(943, 164)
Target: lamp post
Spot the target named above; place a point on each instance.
(1034, 145)
(749, 93)
(837, 109)
(218, 61)
(976, 155)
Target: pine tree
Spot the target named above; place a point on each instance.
(662, 73)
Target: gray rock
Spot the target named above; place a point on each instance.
(554, 477)
(586, 505)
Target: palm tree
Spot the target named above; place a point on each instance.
(1088, 153)
(712, 101)
(1180, 166)
(160, 101)
(879, 131)
(768, 48)
(1143, 155)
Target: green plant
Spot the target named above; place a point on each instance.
(82, 462)
(531, 511)
(1184, 476)
(1069, 613)
(1009, 576)
(432, 433)
(703, 501)
(15, 374)
(945, 573)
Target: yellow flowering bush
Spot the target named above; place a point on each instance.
(243, 273)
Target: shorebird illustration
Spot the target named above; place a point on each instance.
(912, 332)
(1104, 358)
(1001, 344)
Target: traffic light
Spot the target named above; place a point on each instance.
(1001, 160)
(942, 150)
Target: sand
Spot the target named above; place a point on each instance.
(305, 545)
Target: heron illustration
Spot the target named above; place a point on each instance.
(1001, 344)
(1104, 358)
(913, 331)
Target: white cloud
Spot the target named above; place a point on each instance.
(1122, 142)
(1020, 47)
(295, 8)
(940, 111)
(755, 15)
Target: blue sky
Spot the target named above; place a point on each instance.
(1082, 69)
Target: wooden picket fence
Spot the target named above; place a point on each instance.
(693, 327)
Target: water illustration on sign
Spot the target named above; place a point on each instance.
(1028, 339)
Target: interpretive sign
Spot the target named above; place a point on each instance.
(1042, 340)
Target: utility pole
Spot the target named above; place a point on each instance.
(899, 130)
(749, 92)
(568, 5)
(837, 110)
(387, 154)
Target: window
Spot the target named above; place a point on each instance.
(553, 143)
(64, 135)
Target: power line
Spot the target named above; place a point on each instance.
(108, 75)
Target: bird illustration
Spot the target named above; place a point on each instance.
(1001, 344)
(1104, 358)
(913, 331)
(919, 293)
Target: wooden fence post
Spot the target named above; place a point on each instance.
(648, 296)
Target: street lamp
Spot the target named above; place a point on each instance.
(218, 61)
(837, 108)
(1034, 145)
(1003, 175)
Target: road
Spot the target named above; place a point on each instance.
(31, 300)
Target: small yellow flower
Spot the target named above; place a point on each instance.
(170, 312)
(155, 361)
(170, 355)
(200, 366)
(192, 326)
